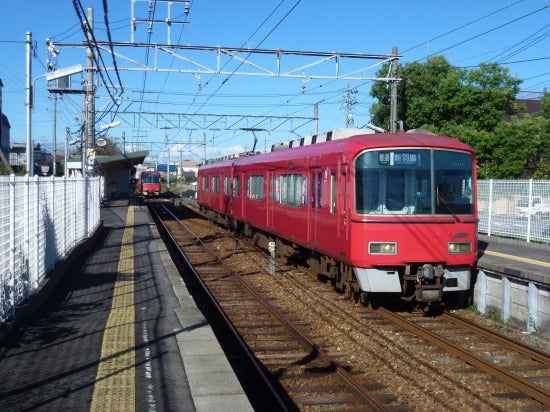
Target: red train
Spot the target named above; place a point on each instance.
(384, 212)
(149, 184)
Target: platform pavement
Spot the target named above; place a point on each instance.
(204, 371)
(213, 384)
(514, 257)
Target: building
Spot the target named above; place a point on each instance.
(42, 159)
(188, 169)
(4, 132)
(117, 171)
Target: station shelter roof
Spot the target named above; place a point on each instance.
(120, 161)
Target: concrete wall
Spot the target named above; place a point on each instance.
(522, 302)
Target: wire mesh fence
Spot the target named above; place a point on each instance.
(41, 219)
(515, 208)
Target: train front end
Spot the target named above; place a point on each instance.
(150, 184)
(414, 225)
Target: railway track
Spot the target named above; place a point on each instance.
(399, 348)
(311, 376)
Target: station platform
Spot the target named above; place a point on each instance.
(524, 260)
(118, 331)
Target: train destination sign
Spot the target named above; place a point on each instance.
(399, 158)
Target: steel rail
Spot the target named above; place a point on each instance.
(251, 358)
(532, 353)
(490, 368)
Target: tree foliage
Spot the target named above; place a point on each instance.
(111, 148)
(478, 107)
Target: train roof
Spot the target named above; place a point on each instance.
(350, 145)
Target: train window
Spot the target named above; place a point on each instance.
(453, 183)
(256, 187)
(150, 178)
(316, 185)
(367, 191)
(236, 186)
(293, 189)
(333, 193)
(276, 189)
(215, 184)
(204, 183)
(395, 191)
(226, 185)
(413, 181)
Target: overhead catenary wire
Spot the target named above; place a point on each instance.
(88, 32)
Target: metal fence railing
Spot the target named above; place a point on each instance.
(41, 219)
(515, 208)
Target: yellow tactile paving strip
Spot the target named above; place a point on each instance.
(114, 388)
(518, 258)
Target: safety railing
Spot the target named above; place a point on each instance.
(41, 219)
(515, 208)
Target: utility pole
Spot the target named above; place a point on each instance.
(89, 138)
(204, 147)
(54, 166)
(28, 89)
(349, 102)
(316, 118)
(393, 95)
(67, 135)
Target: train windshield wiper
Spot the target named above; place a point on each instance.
(440, 199)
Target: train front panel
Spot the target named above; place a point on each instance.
(150, 184)
(414, 222)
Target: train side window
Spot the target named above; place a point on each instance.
(277, 189)
(205, 183)
(256, 187)
(293, 189)
(226, 186)
(236, 186)
(316, 184)
(215, 184)
(333, 193)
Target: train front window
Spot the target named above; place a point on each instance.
(149, 178)
(413, 182)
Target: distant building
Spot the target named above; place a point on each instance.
(42, 159)
(4, 128)
(188, 169)
(532, 102)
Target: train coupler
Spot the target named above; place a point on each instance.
(429, 287)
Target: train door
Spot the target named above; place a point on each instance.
(314, 210)
(272, 197)
(342, 208)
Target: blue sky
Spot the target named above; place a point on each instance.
(514, 33)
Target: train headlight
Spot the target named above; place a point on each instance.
(460, 247)
(382, 248)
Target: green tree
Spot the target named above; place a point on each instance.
(545, 105)
(478, 107)
(433, 94)
(110, 148)
(542, 170)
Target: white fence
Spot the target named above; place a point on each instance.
(41, 219)
(515, 208)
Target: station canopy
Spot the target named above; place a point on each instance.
(120, 161)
